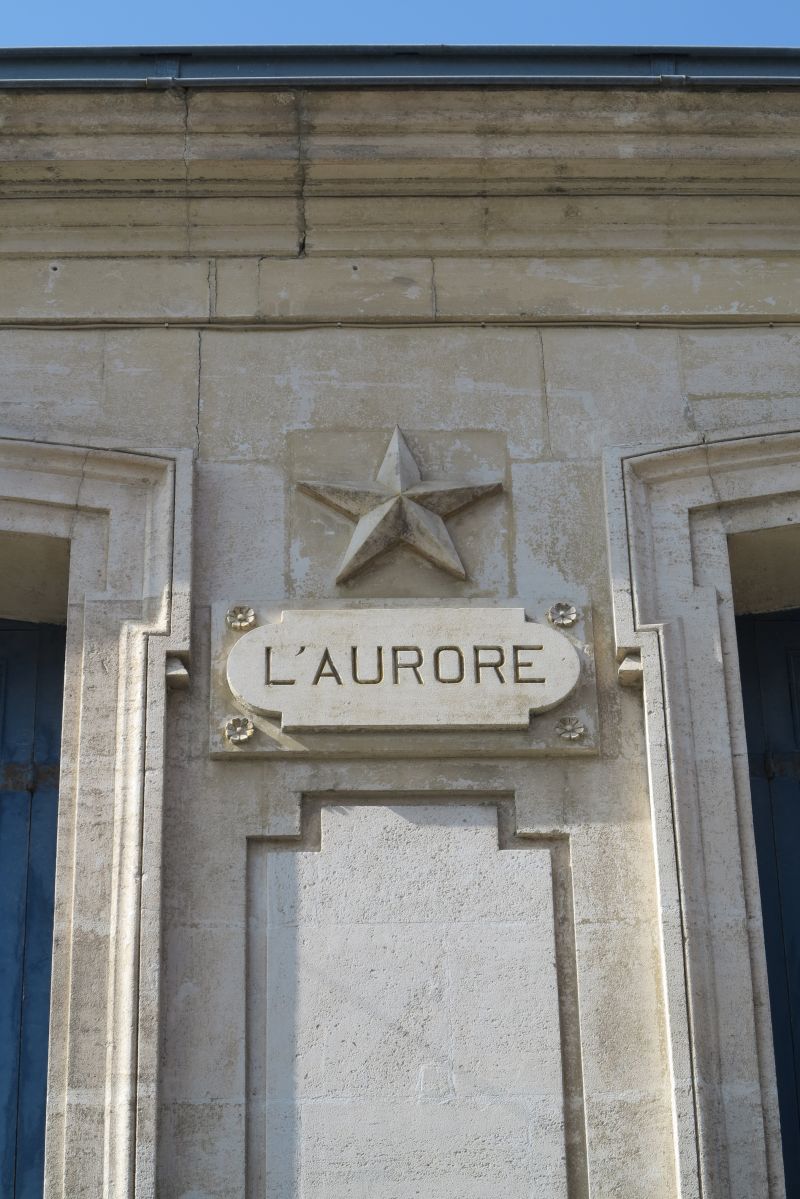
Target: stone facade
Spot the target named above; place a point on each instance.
(439, 964)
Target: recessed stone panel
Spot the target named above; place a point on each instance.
(403, 1015)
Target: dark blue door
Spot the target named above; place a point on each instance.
(31, 686)
(769, 651)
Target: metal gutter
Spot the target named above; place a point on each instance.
(399, 66)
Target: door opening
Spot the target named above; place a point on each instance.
(769, 655)
(31, 688)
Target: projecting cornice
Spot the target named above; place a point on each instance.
(400, 172)
(410, 141)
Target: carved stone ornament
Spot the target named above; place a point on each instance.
(400, 509)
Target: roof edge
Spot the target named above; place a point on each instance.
(397, 66)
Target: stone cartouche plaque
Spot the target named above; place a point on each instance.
(402, 668)
(402, 678)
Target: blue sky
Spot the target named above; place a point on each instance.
(392, 22)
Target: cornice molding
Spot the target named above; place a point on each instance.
(420, 141)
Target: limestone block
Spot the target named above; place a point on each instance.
(612, 387)
(199, 1150)
(322, 288)
(620, 709)
(82, 1175)
(559, 529)
(197, 829)
(630, 1146)
(634, 287)
(569, 794)
(140, 162)
(621, 1007)
(150, 378)
(187, 744)
(250, 166)
(243, 225)
(391, 224)
(256, 386)
(241, 553)
(539, 224)
(89, 113)
(89, 955)
(93, 225)
(105, 288)
(735, 378)
(613, 870)
(236, 287)
(470, 141)
(646, 224)
(134, 389)
(246, 110)
(408, 1149)
(499, 139)
(165, 137)
(733, 992)
(199, 962)
(50, 382)
(743, 1107)
(568, 110)
(141, 225)
(742, 363)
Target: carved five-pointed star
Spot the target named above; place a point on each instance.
(400, 509)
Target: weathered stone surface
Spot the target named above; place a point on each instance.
(421, 140)
(257, 386)
(535, 225)
(149, 289)
(128, 388)
(240, 504)
(629, 287)
(720, 364)
(612, 387)
(558, 525)
(124, 226)
(325, 288)
(732, 382)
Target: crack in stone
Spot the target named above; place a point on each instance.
(199, 391)
(302, 170)
(185, 156)
(548, 444)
